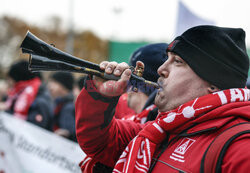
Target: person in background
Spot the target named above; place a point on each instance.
(202, 94)
(153, 56)
(3, 90)
(60, 85)
(28, 97)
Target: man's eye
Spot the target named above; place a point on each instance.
(178, 61)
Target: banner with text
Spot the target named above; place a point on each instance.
(26, 148)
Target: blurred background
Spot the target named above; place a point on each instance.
(100, 30)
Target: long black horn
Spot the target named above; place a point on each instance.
(40, 63)
(45, 57)
(34, 46)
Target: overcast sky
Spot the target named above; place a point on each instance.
(129, 20)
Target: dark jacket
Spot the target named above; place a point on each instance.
(41, 110)
(64, 115)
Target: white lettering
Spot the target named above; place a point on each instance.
(246, 94)
(236, 94)
(222, 97)
(142, 153)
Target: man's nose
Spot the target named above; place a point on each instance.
(163, 70)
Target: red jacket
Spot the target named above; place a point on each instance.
(103, 137)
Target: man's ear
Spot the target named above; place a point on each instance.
(212, 89)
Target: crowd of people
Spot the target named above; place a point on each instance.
(203, 79)
(48, 104)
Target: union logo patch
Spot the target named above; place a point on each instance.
(180, 150)
(184, 145)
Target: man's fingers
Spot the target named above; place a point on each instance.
(110, 67)
(122, 84)
(114, 67)
(120, 68)
(103, 64)
(126, 76)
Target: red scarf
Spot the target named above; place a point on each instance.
(141, 117)
(138, 154)
(87, 165)
(21, 96)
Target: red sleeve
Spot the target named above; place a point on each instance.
(237, 156)
(101, 136)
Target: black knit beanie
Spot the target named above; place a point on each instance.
(216, 54)
(64, 78)
(19, 71)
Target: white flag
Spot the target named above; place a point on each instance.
(187, 19)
